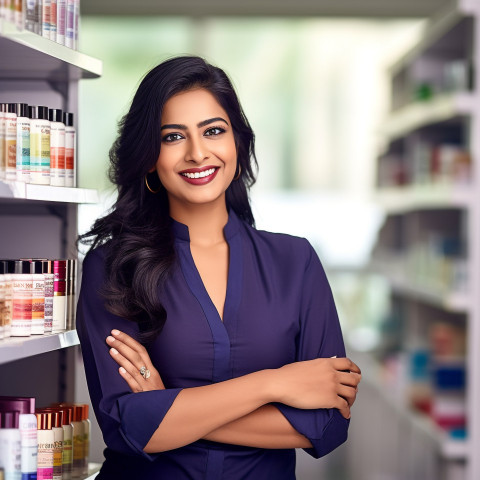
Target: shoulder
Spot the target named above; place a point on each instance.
(94, 262)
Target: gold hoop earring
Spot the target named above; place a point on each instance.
(239, 172)
(149, 188)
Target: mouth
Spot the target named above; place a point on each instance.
(199, 176)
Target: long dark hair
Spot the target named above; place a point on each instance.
(138, 227)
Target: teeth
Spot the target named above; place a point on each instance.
(203, 174)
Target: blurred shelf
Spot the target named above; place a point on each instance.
(450, 301)
(16, 348)
(416, 197)
(429, 112)
(46, 193)
(93, 469)
(28, 55)
(449, 449)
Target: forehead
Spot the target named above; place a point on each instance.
(192, 106)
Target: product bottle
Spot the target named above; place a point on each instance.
(3, 107)
(59, 299)
(87, 427)
(2, 300)
(31, 20)
(67, 458)
(70, 150)
(70, 25)
(38, 297)
(49, 278)
(78, 441)
(10, 445)
(28, 432)
(8, 267)
(22, 285)
(23, 143)
(46, 4)
(10, 145)
(57, 429)
(61, 21)
(46, 442)
(53, 20)
(57, 147)
(70, 293)
(39, 146)
(19, 14)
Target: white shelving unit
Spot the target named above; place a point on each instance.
(37, 220)
(453, 36)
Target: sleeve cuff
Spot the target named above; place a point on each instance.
(325, 428)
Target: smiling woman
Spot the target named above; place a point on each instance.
(212, 350)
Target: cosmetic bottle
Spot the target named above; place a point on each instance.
(28, 432)
(10, 145)
(87, 427)
(23, 143)
(49, 279)
(2, 300)
(57, 429)
(8, 267)
(70, 150)
(19, 22)
(46, 4)
(53, 20)
(10, 445)
(22, 285)
(75, 23)
(31, 20)
(70, 25)
(57, 147)
(39, 146)
(70, 293)
(46, 442)
(59, 299)
(61, 21)
(67, 457)
(3, 107)
(38, 297)
(78, 441)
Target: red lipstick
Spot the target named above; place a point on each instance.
(199, 176)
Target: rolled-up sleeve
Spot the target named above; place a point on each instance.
(320, 337)
(127, 420)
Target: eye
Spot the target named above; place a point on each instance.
(214, 131)
(172, 137)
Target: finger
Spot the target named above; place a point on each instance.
(132, 383)
(132, 355)
(128, 340)
(347, 393)
(350, 379)
(345, 364)
(343, 408)
(130, 367)
(126, 369)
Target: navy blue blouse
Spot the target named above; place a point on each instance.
(278, 309)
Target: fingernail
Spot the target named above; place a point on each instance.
(122, 370)
(115, 332)
(110, 339)
(114, 351)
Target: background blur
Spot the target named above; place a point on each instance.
(314, 81)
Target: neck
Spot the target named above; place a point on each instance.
(205, 222)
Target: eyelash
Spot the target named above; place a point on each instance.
(168, 138)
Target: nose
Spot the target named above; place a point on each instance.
(196, 151)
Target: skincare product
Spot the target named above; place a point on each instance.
(46, 4)
(70, 25)
(3, 107)
(87, 427)
(57, 429)
(22, 285)
(57, 147)
(70, 150)
(67, 457)
(78, 441)
(53, 20)
(23, 143)
(61, 21)
(10, 445)
(59, 298)
(10, 146)
(38, 297)
(46, 443)
(39, 146)
(49, 278)
(8, 267)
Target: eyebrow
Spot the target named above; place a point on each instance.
(203, 123)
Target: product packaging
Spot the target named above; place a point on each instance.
(38, 297)
(57, 148)
(59, 298)
(46, 445)
(10, 146)
(70, 150)
(22, 285)
(10, 445)
(23, 143)
(39, 146)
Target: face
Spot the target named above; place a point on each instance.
(198, 158)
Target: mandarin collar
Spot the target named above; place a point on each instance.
(180, 230)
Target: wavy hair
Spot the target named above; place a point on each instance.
(138, 229)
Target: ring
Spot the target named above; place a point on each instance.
(145, 372)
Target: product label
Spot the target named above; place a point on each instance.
(28, 434)
(11, 142)
(23, 148)
(7, 319)
(61, 9)
(9, 453)
(38, 306)
(21, 307)
(78, 449)
(67, 455)
(48, 312)
(46, 18)
(40, 152)
(57, 148)
(57, 460)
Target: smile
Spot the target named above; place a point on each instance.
(199, 177)
(203, 174)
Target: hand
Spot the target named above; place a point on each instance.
(319, 383)
(132, 356)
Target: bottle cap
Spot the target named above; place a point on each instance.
(67, 414)
(68, 119)
(10, 419)
(36, 266)
(3, 107)
(60, 269)
(22, 266)
(44, 420)
(11, 108)
(47, 266)
(21, 109)
(38, 112)
(55, 115)
(10, 266)
(77, 413)
(57, 415)
(22, 404)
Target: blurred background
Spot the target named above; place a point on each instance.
(366, 117)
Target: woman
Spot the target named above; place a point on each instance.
(239, 325)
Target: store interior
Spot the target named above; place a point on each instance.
(367, 124)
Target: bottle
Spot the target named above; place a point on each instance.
(10, 445)
(2, 300)
(10, 146)
(59, 299)
(49, 278)
(46, 442)
(70, 150)
(18, 4)
(87, 427)
(78, 441)
(22, 285)
(39, 146)
(8, 267)
(23, 143)
(38, 297)
(67, 457)
(57, 429)
(57, 147)
(3, 107)
(61, 21)
(70, 24)
(46, 4)
(53, 20)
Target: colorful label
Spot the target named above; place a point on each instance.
(22, 307)
(11, 146)
(23, 149)
(28, 435)
(67, 458)
(57, 460)
(45, 460)
(40, 153)
(38, 306)
(46, 18)
(48, 312)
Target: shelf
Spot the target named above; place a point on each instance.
(428, 197)
(46, 193)
(429, 112)
(371, 372)
(28, 55)
(16, 348)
